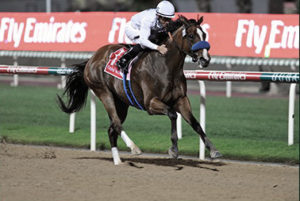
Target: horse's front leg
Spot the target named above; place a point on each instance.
(183, 106)
(173, 151)
(158, 107)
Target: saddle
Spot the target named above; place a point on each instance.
(112, 68)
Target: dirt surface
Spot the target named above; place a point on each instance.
(30, 173)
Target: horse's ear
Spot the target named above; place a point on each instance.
(199, 21)
(184, 20)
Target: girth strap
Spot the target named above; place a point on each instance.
(131, 92)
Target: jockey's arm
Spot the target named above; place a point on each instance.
(145, 32)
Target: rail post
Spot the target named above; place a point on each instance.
(228, 83)
(15, 81)
(202, 117)
(63, 78)
(291, 115)
(72, 123)
(93, 121)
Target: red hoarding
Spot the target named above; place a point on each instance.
(247, 35)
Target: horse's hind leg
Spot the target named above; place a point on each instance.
(113, 137)
(183, 106)
(122, 110)
(135, 150)
(115, 123)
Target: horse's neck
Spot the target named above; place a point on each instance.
(175, 57)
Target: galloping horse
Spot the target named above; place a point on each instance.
(157, 81)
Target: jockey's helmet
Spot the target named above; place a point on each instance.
(165, 9)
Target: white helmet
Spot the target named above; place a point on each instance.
(165, 9)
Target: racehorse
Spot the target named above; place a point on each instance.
(158, 82)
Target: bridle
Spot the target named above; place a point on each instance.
(190, 52)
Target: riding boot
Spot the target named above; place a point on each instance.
(126, 58)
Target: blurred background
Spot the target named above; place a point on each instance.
(228, 6)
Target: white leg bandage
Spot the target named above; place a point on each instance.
(126, 139)
(116, 157)
(129, 143)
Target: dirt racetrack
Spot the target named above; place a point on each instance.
(30, 173)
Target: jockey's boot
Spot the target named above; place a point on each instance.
(126, 58)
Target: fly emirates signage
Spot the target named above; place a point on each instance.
(33, 31)
(248, 35)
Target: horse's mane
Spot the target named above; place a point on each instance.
(161, 37)
(174, 25)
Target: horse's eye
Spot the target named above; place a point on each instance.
(191, 36)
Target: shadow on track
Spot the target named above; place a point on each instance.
(178, 164)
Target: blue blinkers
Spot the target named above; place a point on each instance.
(200, 46)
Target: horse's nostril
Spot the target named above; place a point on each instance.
(203, 62)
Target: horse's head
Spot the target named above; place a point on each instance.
(190, 39)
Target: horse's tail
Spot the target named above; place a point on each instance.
(76, 90)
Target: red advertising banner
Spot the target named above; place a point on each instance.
(246, 35)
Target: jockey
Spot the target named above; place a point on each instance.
(139, 29)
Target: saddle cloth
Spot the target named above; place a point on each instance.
(111, 66)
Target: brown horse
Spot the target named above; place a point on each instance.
(158, 82)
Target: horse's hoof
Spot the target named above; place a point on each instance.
(215, 154)
(172, 153)
(119, 163)
(136, 151)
